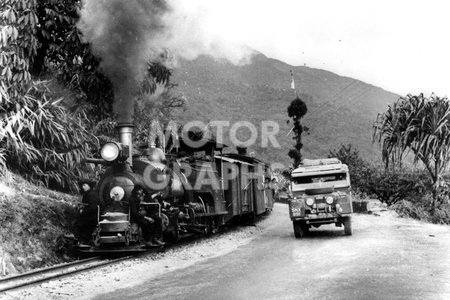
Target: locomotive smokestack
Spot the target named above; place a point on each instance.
(126, 138)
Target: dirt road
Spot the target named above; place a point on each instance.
(386, 258)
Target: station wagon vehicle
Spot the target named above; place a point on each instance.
(320, 194)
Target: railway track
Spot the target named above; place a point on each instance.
(45, 274)
(78, 266)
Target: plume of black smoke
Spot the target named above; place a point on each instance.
(122, 34)
(126, 34)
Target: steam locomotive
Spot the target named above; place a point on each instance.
(206, 188)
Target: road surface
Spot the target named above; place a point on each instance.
(386, 258)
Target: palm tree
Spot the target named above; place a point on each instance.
(419, 125)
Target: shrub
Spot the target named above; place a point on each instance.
(376, 182)
(406, 208)
(391, 187)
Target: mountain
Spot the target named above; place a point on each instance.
(341, 110)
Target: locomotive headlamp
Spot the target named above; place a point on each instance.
(117, 193)
(110, 151)
(329, 200)
(309, 201)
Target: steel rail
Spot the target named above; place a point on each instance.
(46, 274)
(7, 283)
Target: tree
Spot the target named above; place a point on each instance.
(56, 33)
(422, 126)
(149, 108)
(296, 110)
(61, 50)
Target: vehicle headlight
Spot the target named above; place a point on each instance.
(329, 200)
(117, 193)
(110, 151)
(309, 201)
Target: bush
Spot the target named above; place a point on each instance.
(407, 209)
(376, 182)
(391, 187)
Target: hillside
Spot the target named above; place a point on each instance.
(33, 222)
(341, 110)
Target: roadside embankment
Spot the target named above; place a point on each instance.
(33, 221)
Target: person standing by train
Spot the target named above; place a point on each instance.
(274, 187)
(87, 220)
(267, 183)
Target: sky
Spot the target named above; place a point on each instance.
(400, 46)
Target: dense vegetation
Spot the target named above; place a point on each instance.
(43, 136)
(407, 190)
(38, 137)
(421, 126)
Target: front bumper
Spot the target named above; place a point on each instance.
(321, 218)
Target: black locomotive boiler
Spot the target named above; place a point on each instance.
(204, 186)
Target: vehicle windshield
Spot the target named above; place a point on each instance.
(319, 178)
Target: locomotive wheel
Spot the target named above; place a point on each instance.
(348, 226)
(164, 221)
(300, 229)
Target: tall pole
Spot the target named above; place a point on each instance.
(293, 84)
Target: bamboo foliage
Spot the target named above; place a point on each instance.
(43, 141)
(419, 125)
(38, 138)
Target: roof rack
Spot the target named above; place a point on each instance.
(319, 162)
(310, 166)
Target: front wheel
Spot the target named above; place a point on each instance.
(348, 226)
(300, 229)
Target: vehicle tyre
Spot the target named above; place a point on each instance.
(300, 229)
(348, 226)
